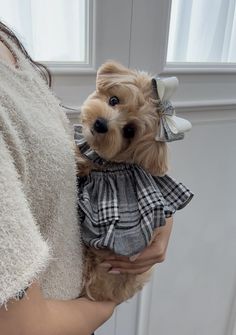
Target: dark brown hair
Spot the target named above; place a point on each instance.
(42, 69)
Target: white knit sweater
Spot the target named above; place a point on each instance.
(39, 231)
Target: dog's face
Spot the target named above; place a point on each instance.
(120, 120)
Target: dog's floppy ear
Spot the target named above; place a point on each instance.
(112, 68)
(111, 74)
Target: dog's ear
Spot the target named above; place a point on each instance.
(152, 156)
(112, 68)
(111, 74)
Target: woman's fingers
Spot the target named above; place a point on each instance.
(155, 253)
(132, 265)
(129, 271)
(147, 260)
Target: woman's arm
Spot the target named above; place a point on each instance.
(34, 315)
(24, 254)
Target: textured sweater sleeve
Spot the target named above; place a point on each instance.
(23, 252)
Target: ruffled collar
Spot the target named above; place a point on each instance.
(84, 147)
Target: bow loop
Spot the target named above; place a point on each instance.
(172, 128)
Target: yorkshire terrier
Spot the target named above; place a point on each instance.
(123, 190)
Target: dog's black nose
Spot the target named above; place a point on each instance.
(100, 125)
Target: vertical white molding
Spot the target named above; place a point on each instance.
(143, 309)
(231, 328)
(149, 34)
(231, 323)
(113, 21)
(234, 328)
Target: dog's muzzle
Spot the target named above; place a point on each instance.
(100, 126)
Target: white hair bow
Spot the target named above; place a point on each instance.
(172, 128)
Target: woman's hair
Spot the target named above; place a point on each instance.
(42, 69)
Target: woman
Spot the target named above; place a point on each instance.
(40, 248)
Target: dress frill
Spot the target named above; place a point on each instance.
(122, 206)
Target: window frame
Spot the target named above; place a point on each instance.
(102, 24)
(64, 67)
(95, 31)
(205, 85)
(192, 68)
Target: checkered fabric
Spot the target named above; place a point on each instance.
(85, 149)
(121, 206)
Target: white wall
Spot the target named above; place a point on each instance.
(195, 287)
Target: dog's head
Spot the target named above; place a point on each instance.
(120, 119)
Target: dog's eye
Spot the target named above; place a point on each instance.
(129, 130)
(113, 101)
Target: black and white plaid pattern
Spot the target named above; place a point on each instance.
(121, 206)
(84, 147)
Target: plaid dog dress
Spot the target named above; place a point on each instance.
(122, 205)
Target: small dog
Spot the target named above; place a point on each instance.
(124, 130)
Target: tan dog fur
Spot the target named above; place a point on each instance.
(137, 106)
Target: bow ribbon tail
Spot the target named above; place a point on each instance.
(171, 128)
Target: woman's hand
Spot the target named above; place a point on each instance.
(155, 253)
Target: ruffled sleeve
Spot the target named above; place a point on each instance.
(23, 252)
(176, 195)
